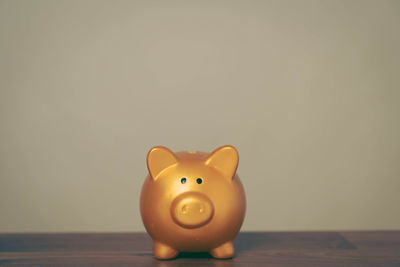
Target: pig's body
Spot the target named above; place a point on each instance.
(192, 202)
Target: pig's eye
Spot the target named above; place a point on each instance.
(183, 180)
(199, 180)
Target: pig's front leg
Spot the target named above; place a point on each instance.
(163, 251)
(224, 251)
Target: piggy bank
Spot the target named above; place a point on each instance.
(192, 201)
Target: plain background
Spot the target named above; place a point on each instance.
(308, 92)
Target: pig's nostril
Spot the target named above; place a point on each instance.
(184, 209)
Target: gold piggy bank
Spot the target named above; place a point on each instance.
(192, 201)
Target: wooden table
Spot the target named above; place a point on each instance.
(252, 249)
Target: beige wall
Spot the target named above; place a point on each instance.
(308, 91)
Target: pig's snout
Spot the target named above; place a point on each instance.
(192, 210)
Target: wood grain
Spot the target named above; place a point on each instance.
(252, 249)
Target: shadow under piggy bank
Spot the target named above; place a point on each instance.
(249, 244)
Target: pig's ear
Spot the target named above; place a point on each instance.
(158, 159)
(225, 159)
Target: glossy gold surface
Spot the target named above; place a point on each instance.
(192, 201)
